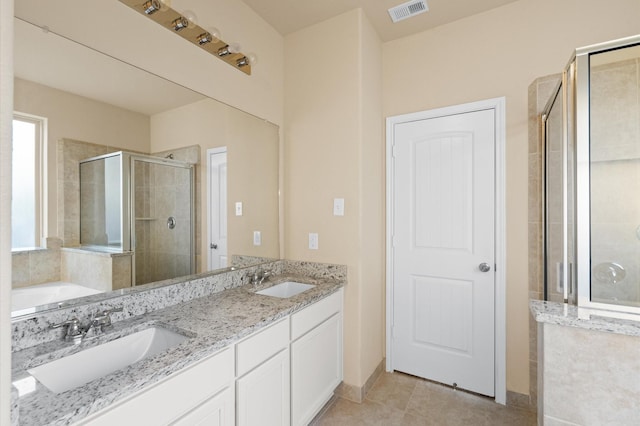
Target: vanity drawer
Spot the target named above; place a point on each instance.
(311, 316)
(259, 347)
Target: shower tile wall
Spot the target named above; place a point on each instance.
(191, 155)
(615, 173)
(162, 192)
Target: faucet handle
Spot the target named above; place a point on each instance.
(73, 329)
(103, 319)
(70, 322)
(112, 310)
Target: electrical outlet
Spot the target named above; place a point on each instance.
(313, 241)
(257, 238)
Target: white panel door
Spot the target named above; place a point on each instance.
(217, 163)
(443, 249)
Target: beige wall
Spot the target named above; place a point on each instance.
(252, 155)
(499, 53)
(333, 148)
(75, 117)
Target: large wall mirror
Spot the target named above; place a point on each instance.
(92, 104)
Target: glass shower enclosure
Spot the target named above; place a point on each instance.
(591, 128)
(143, 204)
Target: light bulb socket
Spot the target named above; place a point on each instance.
(248, 59)
(151, 6)
(224, 51)
(242, 62)
(180, 23)
(205, 38)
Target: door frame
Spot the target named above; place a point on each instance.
(498, 105)
(210, 153)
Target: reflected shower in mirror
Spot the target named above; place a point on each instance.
(93, 105)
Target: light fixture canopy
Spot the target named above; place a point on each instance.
(185, 25)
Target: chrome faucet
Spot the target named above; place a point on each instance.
(76, 331)
(259, 276)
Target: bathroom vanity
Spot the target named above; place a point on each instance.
(244, 358)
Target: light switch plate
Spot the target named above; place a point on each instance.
(338, 206)
(257, 238)
(239, 208)
(313, 241)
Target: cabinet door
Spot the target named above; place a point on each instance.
(262, 396)
(218, 410)
(316, 369)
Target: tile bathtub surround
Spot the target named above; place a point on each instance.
(211, 322)
(142, 300)
(36, 266)
(104, 271)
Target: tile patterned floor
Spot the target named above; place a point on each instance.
(400, 399)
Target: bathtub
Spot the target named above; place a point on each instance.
(24, 300)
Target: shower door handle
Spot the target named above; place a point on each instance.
(484, 267)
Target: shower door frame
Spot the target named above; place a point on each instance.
(583, 172)
(128, 182)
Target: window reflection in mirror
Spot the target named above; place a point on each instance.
(27, 146)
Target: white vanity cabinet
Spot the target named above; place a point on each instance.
(316, 357)
(262, 368)
(203, 390)
(280, 375)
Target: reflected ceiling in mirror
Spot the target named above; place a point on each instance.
(160, 118)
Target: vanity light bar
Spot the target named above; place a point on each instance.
(178, 24)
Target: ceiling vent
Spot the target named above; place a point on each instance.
(408, 9)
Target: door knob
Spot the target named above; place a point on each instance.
(484, 267)
(214, 246)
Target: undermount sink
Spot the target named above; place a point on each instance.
(82, 367)
(286, 289)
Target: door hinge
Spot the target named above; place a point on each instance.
(393, 150)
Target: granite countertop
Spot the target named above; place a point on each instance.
(590, 319)
(212, 323)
